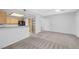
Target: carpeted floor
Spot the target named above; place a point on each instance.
(47, 40)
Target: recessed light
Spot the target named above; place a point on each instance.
(58, 10)
(17, 15)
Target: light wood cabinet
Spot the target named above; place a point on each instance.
(3, 16)
(4, 19)
(11, 20)
(31, 24)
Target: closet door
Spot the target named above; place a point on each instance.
(31, 24)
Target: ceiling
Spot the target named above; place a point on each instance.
(18, 11)
(41, 12)
(48, 12)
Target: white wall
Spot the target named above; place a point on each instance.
(39, 21)
(64, 23)
(37, 24)
(42, 24)
(12, 35)
(77, 23)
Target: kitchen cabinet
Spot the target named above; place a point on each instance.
(3, 16)
(11, 20)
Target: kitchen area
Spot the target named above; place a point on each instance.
(13, 28)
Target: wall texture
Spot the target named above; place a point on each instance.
(64, 23)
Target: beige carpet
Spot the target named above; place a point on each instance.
(47, 40)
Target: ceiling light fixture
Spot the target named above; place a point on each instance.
(58, 10)
(17, 15)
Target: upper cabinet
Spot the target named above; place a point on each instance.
(10, 20)
(3, 16)
(4, 19)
